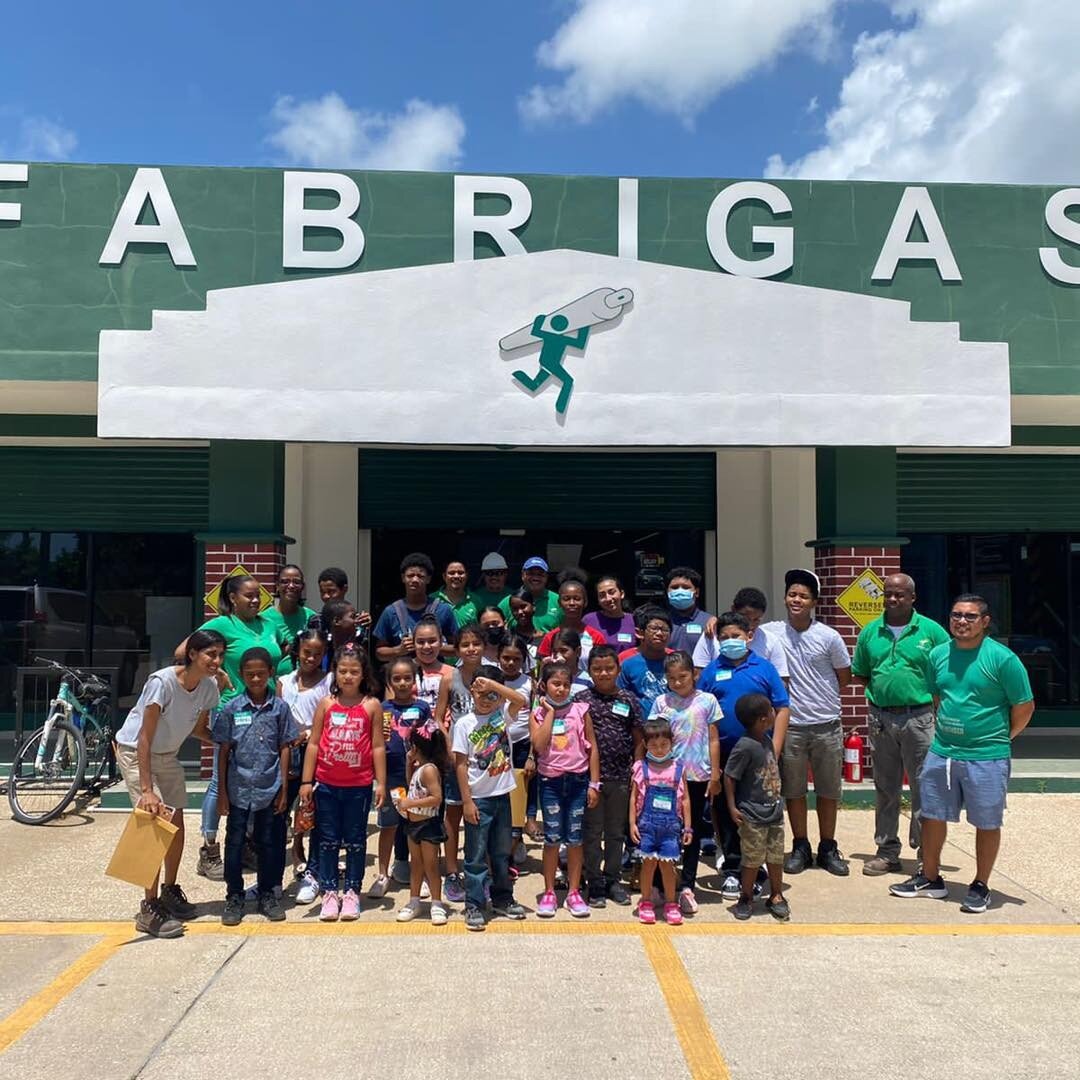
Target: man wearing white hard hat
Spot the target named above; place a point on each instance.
(493, 589)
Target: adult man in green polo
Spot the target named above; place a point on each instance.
(890, 660)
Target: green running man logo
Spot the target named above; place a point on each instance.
(566, 328)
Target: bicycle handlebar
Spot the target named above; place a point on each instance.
(85, 677)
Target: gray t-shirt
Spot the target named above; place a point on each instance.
(180, 709)
(752, 765)
(813, 657)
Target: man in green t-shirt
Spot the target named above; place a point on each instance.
(890, 661)
(984, 701)
(546, 611)
(494, 591)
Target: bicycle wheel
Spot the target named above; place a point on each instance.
(98, 743)
(39, 789)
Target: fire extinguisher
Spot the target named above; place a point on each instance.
(853, 746)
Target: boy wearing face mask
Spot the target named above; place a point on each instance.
(688, 621)
(737, 671)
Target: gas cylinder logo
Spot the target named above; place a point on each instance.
(565, 328)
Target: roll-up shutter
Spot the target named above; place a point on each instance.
(967, 493)
(105, 489)
(533, 490)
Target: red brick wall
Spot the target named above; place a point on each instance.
(838, 567)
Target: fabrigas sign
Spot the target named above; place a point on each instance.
(915, 214)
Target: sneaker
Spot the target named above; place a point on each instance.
(617, 894)
(439, 914)
(454, 888)
(646, 913)
(400, 871)
(577, 906)
(548, 906)
(672, 915)
(252, 893)
(829, 858)
(233, 911)
(350, 906)
(331, 908)
(378, 887)
(687, 902)
(176, 903)
(800, 858)
(731, 887)
(474, 919)
(977, 899)
(920, 885)
(510, 910)
(879, 865)
(309, 889)
(778, 909)
(425, 890)
(270, 906)
(154, 919)
(743, 908)
(410, 910)
(210, 865)
(597, 896)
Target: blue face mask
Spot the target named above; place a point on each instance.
(660, 760)
(733, 648)
(681, 599)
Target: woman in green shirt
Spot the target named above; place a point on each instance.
(288, 616)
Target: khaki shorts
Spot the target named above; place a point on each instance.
(761, 844)
(819, 747)
(167, 773)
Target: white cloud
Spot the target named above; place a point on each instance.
(326, 132)
(674, 56)
(977, 90)
(36, 138)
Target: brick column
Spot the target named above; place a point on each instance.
(838, 566)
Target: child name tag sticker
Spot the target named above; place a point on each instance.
(663, 802)
(338, 719)
(723, 675)
(624, 639)
(558, 727)
(410, 716)
(242, 719)
(693, 628)
(620, 708)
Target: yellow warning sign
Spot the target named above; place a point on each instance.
(212, 597)
(864, 599)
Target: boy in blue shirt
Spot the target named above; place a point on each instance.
(737, 671)
(255, 732)
(642, 673)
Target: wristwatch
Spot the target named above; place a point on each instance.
(595, 785)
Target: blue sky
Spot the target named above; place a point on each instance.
(907, 89)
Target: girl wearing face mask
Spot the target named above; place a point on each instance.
(495, 634)
(688, 621)
(572, 601)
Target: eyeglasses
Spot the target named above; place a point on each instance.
(965, 616)
(657, 628)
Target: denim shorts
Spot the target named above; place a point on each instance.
(562, 800)
(980, 787)
(388, 817)
(451, 791)
(661, 841)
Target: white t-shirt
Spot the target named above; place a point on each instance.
(519, 726)
(303, 703)
(768, 648)
(813, 657)
(180, 709)
(896, 631)
(486, 741)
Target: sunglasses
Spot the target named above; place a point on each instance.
(965, 616)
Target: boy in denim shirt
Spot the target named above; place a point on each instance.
(254, 733)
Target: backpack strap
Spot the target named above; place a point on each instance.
(402, 616)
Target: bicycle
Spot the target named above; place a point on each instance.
(75, 741)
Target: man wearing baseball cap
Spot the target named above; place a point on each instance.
(546, 611)
(819, 668)
(493, 577)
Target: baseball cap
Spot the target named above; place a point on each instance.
(534, 562)
(493, 561)
(803, 577)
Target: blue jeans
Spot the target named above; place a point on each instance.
(489, 839)
(563, 799)
(210, 816)
(341, 815)
(263, 837)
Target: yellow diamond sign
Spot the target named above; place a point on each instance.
(212, 597)
(864, 599)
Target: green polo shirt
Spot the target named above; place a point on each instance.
(546, 612)
(288, 628)
(896, 667)
(466, 612)
(482, 598)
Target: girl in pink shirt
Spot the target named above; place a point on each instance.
(569, 766)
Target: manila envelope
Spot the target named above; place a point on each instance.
(141, 850)
(517, 799)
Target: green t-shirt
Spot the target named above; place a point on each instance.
(466, 612)
(482, 598)
(287, 627)
(546, 614)
(977, 688)
(896, 666)
(239, 637)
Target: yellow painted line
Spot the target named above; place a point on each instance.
(703, 1057)
(14, 1026)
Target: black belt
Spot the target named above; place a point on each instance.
(927, 706)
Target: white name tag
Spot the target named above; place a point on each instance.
(242, 719)
(411, 715)
(662, 802)
(624, 639)
(693, 628)
(723, 675)
(338, 719)
(620, 708)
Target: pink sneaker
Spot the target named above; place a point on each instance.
(672, 915)
(350, 906)
(576, 906)
(687, 902)
(646, 913)
(331, 907)
(548, 906)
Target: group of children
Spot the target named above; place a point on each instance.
(597, 722)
